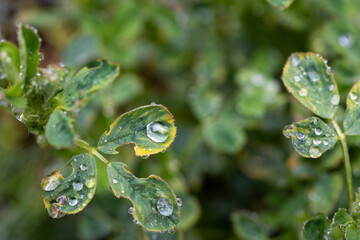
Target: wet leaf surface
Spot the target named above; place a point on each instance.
(317, 227)
(352, 113)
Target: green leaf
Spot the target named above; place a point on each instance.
(29, 45)
(151, 128)
(311, 81)
(87, 81)
(247, 226)
(317, 227)
(281, 4)
(155, 206)
(352, 232)
(325, 193)
(59, 131)
(311, 137)
(10, 63)
(341, 219)
(70, 194)
(352, 113)
(190, 211)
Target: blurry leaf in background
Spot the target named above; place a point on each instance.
(81, 50)
(247, 226)
(59, 130)
(281, 4)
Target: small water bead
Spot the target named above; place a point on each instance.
(295, 61)
(314, 76)
(131, 210)
(318, 131)
(179, 201)
(145, 156)
(115, 181)
(335, 99)
(172, 231)
(50, 183)
(73, 202)
(300, 135)
(81, 196)
(83, 167)
(315, 152)
(353, 96)
(331, 87)
(90, 183)
(164, 206)
(157, 131)
(78, 186)
(316, 141)
(303, 92)
(325, 142)
(297, 79)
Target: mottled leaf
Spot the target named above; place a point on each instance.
(281, 4)
(325, 193)
(352, 113)
(70, 194)
(317, 227)
(29, 45)
(59, 131)
(155, 206)
(87, 81)
(151, 128)
(9, 62)
(311, 81)
(311, 137)
(247, 226)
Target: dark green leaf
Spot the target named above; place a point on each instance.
(311, 81)
(281, 4)
(317, 227)
(155, 205)
(352, 114)
(151, 128)
(70, 194)
(87, 81)
(311, 137)
(341, 219)
(247, 226)
(59, 131)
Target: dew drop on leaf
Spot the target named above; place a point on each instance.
(303, 92)
(62, 200)
(78, 186)
(331, 87)
(325, 142)
(300, 135)
(131, 210)
(335, 99)
(314, 76)
(297, 79)
(73, 202)
(318, 131)
(172, 231)
(164, 206)
(317, 142)
(295, 61)
(50, 183)
(90, 183)
(83, 167)
(157, 132)
(115, 180)
(353, 96)
(179, 201)
(315, 152)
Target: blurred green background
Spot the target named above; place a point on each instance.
(216, 65)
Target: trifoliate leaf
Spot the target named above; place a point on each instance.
(70, 194)
(311, 137)
(155, 205)
(151, 128)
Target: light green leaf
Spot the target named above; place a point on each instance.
(352, 113)
(311, 81)
(151, 128)
(9, 62)
(155, 205)
(281, 4)
(247, 226)
(311, 137)
(87, 81)
(325, 193)
(317, 227)
(70, 194)
(29, 45)
(59, 131)
(352, 232)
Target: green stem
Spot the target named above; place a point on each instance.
(84, 145)
(342, 139)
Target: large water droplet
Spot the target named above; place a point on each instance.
(314, 76)
(303, 92)
(50, 183)
(164, 206)
(317, 142)
(62, 200)
(90, 182)
(157, 131)
(315, 152)
(83, 167)
(318, 131)
(78, 186)
(300, 135)
(73, 201)
(115, 181)
(335, 99)
(325, 142)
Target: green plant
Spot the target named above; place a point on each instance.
(47, 101)
(308, 77)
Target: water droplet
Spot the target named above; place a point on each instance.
(335, 99)
(346, 40)
(164, 206)
(115, 181)
(300, 135)
(303, 92)
(62, 200)
(314, 76)
(325, 142)
(353, 96)
(297, 79)
(73, 202)
(78, 186)
(315, 152)
(295, 61)
(41, 56)
(131, 210)
(316, 141)
(90, 183)
(83, 167)
(50, 183)
(179, 201)
(81, 196)
(145, 156)
(157, 131)
(331, 87)
(172, 231)
(318, 131)
(153, 103)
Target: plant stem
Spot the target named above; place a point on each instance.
(342, 139)
(84, 145)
